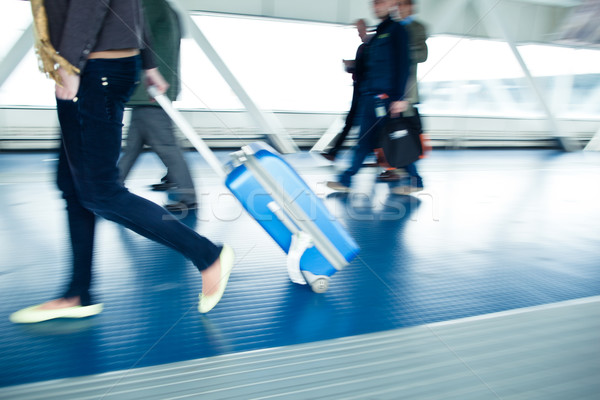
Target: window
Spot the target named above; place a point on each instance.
(296, 66)
(482, 77)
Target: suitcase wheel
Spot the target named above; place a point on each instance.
(320, 285)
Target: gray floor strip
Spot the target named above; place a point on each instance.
(547, 352)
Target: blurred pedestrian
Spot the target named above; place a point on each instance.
(99, 48)
(417, 34)
(356, 68)
(382, 88)
(150, 125)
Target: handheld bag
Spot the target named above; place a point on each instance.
(400, 142)
(282, 203)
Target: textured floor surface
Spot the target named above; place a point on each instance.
(494, 231)
(547, 352)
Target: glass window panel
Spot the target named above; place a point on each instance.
(15, 17)
(27, 86)
(285, 65)
(296, 66)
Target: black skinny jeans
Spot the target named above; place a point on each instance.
(89, 178)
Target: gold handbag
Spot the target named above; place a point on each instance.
(48, 58)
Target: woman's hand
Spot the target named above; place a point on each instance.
(70, 85)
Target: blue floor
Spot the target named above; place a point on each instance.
(494, 230)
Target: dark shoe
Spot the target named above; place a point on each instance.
(406, 189)
(338, 187)
(391, 175)
(180, 207)
(163, 186)
(330, 157)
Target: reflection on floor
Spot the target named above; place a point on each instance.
(493, 231)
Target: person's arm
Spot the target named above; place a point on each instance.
(152, 76)
(400, 70)
(146, 52)
(419, 51)
(359, 65)
(82, 25)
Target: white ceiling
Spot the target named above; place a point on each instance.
(524, 20)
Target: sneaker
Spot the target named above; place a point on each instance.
(391, 175)
(338, 187)
(329, 157)
(163, 186)
(180, 207)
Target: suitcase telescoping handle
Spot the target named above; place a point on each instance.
(188, 131)
(295, 212)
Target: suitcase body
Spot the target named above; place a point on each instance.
(274, 194)
(283, 204)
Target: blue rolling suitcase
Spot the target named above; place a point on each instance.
(278, 198)
(282, 203)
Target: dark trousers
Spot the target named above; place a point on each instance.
(152, 126)
(414, 178)
(89, 178)
(350, 122)
(367, 141)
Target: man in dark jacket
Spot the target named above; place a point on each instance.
(150, 125)
(383, 86)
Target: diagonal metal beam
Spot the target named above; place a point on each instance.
(487, 8)
(592, 101)
(445, 14)
(329, 135)
(16, 54)
(267, 122)
(594, 143)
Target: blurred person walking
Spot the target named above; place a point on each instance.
(417, 34)
(150, 125)
(387, 65)
(99, 48)
(356, 68)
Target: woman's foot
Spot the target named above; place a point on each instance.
(214, 280)
(63, 302)
(211, 277)
(69, 307)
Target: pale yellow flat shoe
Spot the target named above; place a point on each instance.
(34, 314)
(227, 258)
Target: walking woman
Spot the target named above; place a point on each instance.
(97, 51)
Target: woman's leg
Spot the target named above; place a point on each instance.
(96, 142)
(82, 223)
